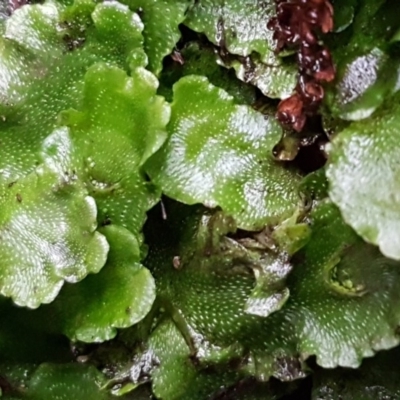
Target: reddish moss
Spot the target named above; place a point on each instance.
(297, 25)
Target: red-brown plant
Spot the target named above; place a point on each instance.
(297, 25)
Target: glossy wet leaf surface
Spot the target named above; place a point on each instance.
(238, 26)
(60, 382)
(121, 124)
(219, 154)
(367, 68)
(220, 278)
(341, 295)
(118, 297)
(270, 292)
(240, 29)
(63, 382)
(339, 308)
(161, 19)
(275, 79)
(364, 83)
(246, 269)
(49, 214)
(363, 175)
(47, 225)
(176, 376)
(38, 84)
